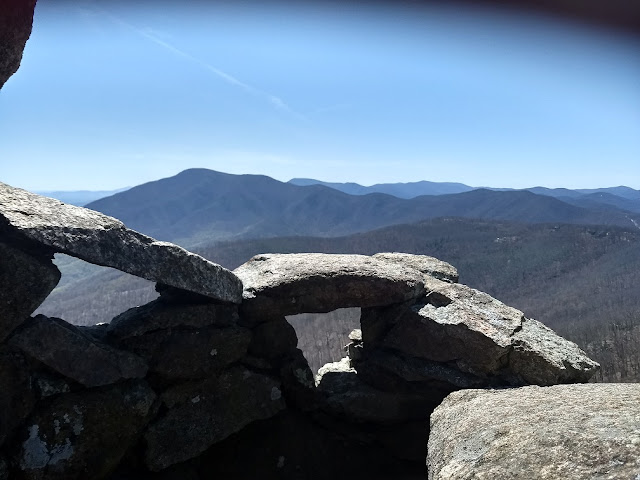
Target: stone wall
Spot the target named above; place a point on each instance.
(207, 378)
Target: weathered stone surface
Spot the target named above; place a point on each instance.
(571, 432)
(65, 349)
(189, 354)
(480, 335)
(17, 392)
(16, 18)
(103, 240)
(348, 397)
(158, 315)
(82, 435)
(423, 263)
(288, 284)
(25, 281)
(273, 339)
(203, 413)
(393, 371)
(298, 383)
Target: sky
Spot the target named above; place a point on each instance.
(115, 94)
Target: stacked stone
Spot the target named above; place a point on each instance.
(168, 379)
(208, 375)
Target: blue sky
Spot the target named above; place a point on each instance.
(117, 94)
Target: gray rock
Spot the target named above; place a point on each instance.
(25, 281)
(423, 263)
(16, 18)
(276, 285)
(203, 413)
(103, 240)
(83, 435)
(482, 336)
(298, 382)
(571, 432)
(272, 340)
(346, 396)
(158, 315)
(65, 349)
(17, 393)
(189, 354)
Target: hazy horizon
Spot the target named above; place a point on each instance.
(112, 94)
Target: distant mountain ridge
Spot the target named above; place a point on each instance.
(622, 197)
(400, 190)
(80, 197)
(199, 206)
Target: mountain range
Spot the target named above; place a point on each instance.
(622, 197)
(200, 206)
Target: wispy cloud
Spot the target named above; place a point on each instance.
(275, 101)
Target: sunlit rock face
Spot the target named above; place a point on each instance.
(37, 222)
(564, 431)
(16, 19)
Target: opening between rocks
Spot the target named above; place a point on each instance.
(88, 294)
(323, 336)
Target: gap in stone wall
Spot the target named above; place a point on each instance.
(88, 294)
(323, 336)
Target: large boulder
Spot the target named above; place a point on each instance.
(84, 434)
(67, 350)
(16, 19)
(203, 413)
(189, 354)
(571, 432)
(103, 240)
(159, 315)
(478, 335)
(25, 281)
(276, 285)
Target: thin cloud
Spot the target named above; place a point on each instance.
(273, 100)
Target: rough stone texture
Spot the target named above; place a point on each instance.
(273, 339)
(480, 335)
(158, 315)
(25, 281)
(189, 354)
(428, 265)
(65, 349)
(103, 240)
(17, 392)
(16, 19)
(572, 432)
(82, 435)
(348, 397)
(203, 413)
(276, 285)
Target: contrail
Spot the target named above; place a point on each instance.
(273, 100)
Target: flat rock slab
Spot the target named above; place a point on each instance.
(423, 263)
(289, 284)
(158, 315)
(103, 240)
(571, 432)
(25, 281)
(67, 350)
(480, 335)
